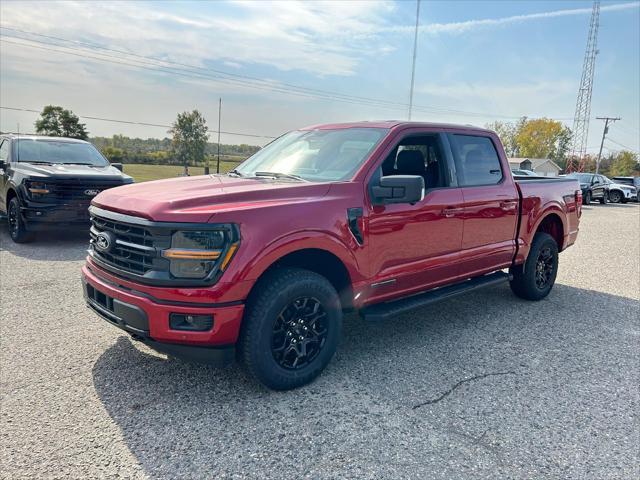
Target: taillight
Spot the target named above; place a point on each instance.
(578, 197)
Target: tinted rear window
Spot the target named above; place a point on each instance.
(477, 160)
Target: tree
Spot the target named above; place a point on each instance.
(543, 138)
(189, 141)
(624, 164)
(56, 121)
(507, 131)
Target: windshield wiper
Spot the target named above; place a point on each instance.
(235, 172)
(36, 162)
(76, 163)
(279, 175)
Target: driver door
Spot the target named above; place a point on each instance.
(416, 247)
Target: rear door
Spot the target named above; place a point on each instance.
(598, 187)
(490, 202)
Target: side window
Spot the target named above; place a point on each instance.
(4, 150)
(418, 155)
(477, 161)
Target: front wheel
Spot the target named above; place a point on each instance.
(587, 198)
(603, 200)
(534, 280)
(615, 196)
(291, 328)
(17, 228)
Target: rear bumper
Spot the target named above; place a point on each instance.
(148, 321)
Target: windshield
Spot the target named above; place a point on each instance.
(52, 151)
(582, 177)
(315, 155)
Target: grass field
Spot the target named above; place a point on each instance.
(145, 173)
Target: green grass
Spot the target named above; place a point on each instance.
(144, 173)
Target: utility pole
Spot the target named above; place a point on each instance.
(415, 51)
(219, 118)
(604, 134)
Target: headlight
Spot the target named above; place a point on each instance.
(36, 188)
(197, 253)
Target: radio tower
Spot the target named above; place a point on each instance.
(583, 104)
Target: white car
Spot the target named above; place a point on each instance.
(620, 193)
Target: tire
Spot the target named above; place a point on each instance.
(526, 281)
(615, 196)
(291, 328)
(17, 227)
(603, 200)
(587, 199)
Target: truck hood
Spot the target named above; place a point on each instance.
(197, 199)
(67, 172)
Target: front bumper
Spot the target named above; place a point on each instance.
(147, 319)
(41, 216)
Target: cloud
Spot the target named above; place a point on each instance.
(469, 25)
(321, 38)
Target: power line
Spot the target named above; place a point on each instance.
(223, 77)
(621, 145)
(129, 122)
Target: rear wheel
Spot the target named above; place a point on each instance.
(534, 280)
(291, 328)
(615, 196)
(17, 227)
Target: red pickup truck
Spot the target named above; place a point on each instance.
(376, 217)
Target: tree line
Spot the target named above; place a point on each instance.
(189, 145)
(547, 138)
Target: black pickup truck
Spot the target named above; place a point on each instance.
(48, 182)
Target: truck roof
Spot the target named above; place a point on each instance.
(15, 136)
(392, 124)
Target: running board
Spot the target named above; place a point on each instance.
(383, 311)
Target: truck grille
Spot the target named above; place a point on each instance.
(132, 248)
(66, 191)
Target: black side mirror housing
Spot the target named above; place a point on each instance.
(399, 189)
(117, 165)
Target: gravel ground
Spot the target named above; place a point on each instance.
(483, 386)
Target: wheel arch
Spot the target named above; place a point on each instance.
(552, 224)
(319, 257)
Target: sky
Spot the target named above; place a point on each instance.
(279, 66)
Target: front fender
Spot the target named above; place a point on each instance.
(302, 240)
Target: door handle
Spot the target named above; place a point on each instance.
(449, 212)
(508, 206)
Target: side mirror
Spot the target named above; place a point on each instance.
(399, 189)
(117, 165)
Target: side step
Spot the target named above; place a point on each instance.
(385, 310)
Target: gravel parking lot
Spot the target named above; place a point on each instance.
(483, 386)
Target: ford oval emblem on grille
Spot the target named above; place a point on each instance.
(103, 241)
(91, 192)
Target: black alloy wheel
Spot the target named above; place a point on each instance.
(290, 329)
(535, 279)
(544, 268)
(17, 228)
(299, 333)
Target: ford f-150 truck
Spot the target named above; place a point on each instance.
(378, 218)
(48, 183)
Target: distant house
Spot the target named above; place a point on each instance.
(545, 167)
